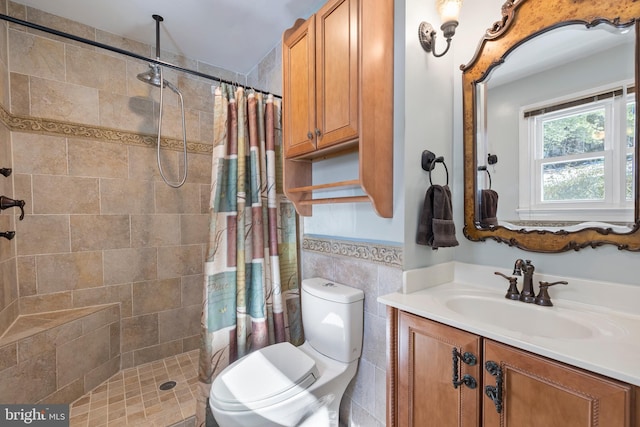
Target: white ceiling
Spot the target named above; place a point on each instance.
(232, 34)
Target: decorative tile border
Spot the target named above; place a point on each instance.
(367, 251)
(17, 123)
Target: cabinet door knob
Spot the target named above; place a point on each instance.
(318, 133)
(309, 135)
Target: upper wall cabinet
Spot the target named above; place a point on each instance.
(338, 98)
(321, 66)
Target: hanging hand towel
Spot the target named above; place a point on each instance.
(488, 208)
(436, 227)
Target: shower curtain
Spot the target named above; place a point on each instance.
(251, 290)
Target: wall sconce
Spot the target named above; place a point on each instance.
(448, 10)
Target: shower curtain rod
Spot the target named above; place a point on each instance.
(123, 52)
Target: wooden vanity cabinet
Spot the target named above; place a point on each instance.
(541, 392)
(337, 69)
(536, 391)
(426, 395)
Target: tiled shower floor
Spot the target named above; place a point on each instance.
(132, 396)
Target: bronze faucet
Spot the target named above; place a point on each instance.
(6, 203)
(527, 294)
(543, 296)
(512, 292)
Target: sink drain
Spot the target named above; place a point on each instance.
(168, 385)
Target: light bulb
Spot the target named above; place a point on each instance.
(448, 9)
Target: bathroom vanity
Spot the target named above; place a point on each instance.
(460, 354)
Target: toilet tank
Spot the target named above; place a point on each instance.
(332, 317)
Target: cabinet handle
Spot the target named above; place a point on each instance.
(494, 392)
(470, 360)
(318, 133)
(309, 135)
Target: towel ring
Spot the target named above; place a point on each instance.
(433, 165)
(429, 161)
(484, 168)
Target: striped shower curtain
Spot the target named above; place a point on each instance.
(251, 292)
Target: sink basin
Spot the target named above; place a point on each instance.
(528, 319)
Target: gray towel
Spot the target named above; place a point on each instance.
(488, 208)
(436, 227)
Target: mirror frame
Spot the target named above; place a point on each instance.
(521, 21)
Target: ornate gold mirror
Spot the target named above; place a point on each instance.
(550, 138)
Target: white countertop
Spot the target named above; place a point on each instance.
(609, 310)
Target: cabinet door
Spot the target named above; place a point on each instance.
(337, 72)
(426, 395)
(299, 96)
(539, 392)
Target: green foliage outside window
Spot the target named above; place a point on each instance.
(577, 134)
(581, 180)
(581, 134)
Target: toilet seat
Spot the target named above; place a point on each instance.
(283, 369)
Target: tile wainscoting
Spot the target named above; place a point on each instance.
(377, 270)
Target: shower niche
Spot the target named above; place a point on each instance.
(337, 100)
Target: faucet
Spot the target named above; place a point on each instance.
(527, 294)
(6, 203)
(512, 292)
(543, 295)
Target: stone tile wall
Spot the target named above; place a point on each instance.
(100, 225)
(57, 357)
(377, 270)
(8, 274)
(267, 75)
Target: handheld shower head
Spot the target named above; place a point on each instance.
(153, 76)
(172, 87)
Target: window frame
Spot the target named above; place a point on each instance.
(615, 207)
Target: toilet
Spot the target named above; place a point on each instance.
(284, 385)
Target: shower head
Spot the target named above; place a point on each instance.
(152, 76)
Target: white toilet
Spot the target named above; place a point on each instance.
(284, 385)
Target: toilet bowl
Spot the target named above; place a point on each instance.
(284, 385)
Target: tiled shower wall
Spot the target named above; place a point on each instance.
(377, 270)
(8, 275)
(100, 225)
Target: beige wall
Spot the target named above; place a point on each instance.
(267, 75)
(101, 226)
(9, 285)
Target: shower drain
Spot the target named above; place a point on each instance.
(168, 385)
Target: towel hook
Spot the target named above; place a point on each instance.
(429, 161)
(486, 169)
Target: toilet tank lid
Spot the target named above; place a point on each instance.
(332, 291)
